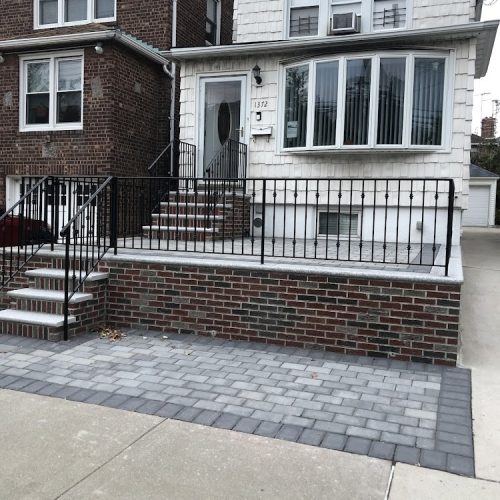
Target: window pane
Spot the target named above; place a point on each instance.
(37, 108)
(104, 9)
(391, 94)
(325, 117)
(338, 224)
(38, 77)
(389, 14)
(297, 83)
(304, 21)
(75, 10)
(69, 107)
(357, 101)
(69, 75)
(211, 22)
(212, 10)
(428, 97)
(48, 12)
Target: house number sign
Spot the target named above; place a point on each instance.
(260, 104)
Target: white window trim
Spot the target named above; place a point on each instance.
(218, 27)
(445, 146)
(23, 82)
(343, 210)
(60, 22)
(324, 17)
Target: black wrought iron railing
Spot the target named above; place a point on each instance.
(24, 228)
(87, 237)
(378, 221)
(229, 163)
(178, 159)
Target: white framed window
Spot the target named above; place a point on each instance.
(337, 17)
(54, 13)
(390, 100)
(213, 22)
(51, 92)
(338, 223)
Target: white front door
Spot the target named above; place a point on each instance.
(223, 116)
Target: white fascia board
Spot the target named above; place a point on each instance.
(485, 32)
(44, 42)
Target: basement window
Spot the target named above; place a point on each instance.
(54, 13)
(52, 92)
(338, 224)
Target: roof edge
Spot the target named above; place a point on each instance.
(43, 42)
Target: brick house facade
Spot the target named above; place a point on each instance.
(125, 91)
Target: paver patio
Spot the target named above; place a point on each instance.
(406, 412)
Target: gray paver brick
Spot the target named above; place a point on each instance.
(433, 459)
(390, 437)
(460, 465)
(268, 415)
(246, 424)
(311, 437)
(289, 432)
(357, 445)
(238, 410)
(206, 417)
(187, 414)
(381, 450)
(382, 426)
(267, 429)
(350, 420)
(330, 427)
(455, 449)
(257, 396)
(407, 454)
(226, 421)
(334, 441)
(363, 432)
(299, 421)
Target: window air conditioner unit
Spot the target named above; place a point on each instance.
(345, 24)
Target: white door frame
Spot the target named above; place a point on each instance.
(200, 122)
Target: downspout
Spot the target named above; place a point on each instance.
(173, 70)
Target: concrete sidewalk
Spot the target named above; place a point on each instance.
(53, 449)
(480, 322)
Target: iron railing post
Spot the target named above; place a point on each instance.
(114, 215)
(66, 283)
(449, 228)
(263, 236)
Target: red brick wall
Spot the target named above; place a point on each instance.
(400, 320)
(123, 129)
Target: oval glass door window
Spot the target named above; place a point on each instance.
(224, 122)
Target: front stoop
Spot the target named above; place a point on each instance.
(197, 216)
(38, 311)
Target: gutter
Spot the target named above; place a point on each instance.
(461, 31)
(38, 43)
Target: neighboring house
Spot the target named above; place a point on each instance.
(366, 89)
(482, 198)
(84, 88)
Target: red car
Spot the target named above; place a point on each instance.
(15, 231)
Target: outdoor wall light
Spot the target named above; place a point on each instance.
(256, 74)
(2, 59)
(98, 48)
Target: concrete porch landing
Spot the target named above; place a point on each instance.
(406, 412)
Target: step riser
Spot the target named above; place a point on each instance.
(199, 210)
(31, 331)
(199, 236)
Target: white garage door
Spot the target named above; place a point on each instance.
(479, 205)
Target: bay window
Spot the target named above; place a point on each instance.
(51, 93)
(52, 13)
(386, 101)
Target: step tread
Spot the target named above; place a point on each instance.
(190, 204)
(34, 318)
(60, 274)
(48, 295)
(181, 229)
(189, 216)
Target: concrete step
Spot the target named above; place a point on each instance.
(181, 229)
(59, 274)
(34, 318)
(201, 217)
(48, 295)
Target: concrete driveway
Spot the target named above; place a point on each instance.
(481, 343)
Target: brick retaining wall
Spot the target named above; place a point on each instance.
(401, 320)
